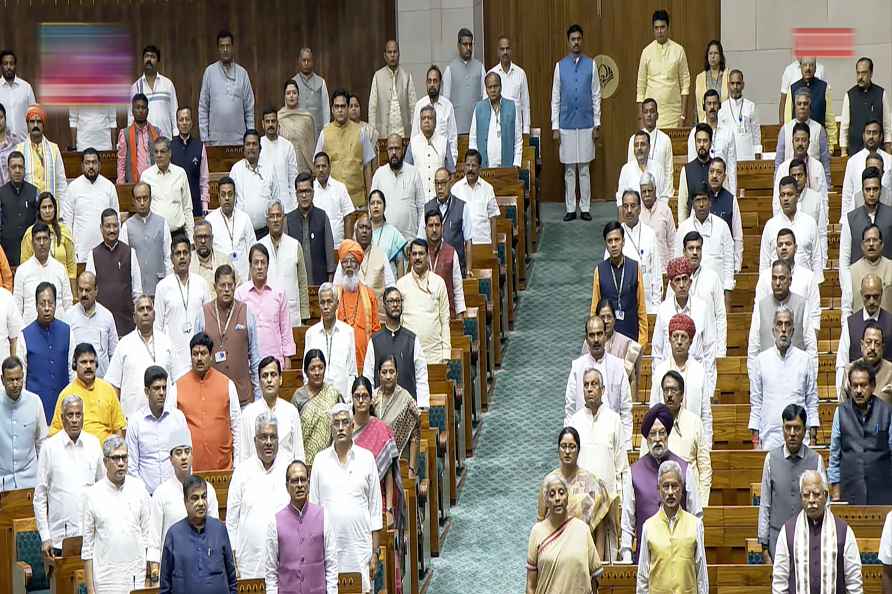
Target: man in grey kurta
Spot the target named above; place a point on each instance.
(226, 102)
(463, 81)
(312, 90)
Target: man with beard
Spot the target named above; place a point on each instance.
(781, 471)
(287, 267)
(136, 142)
(817, 143)
(313, 90)
(44, 167)
(350, 148)
(205, 258)
(613, 376)
(103, 416)
(167, 499)
(255, 182)
(401, 184)
(256, 492)
(641, 493)
(377, 273)
(723, 144)
(740, 115)
(429, 152)
(226, 101)
(16, 94)
(638, 165)
(117, 274)
(695, 173)
(18, 208)
(781, 375)
(278, 156)
(120, 547)
(426, 304)
(446, 127)
(147, 232)
(683, 564)
(297, 523)
(345, 482)
(309, 225)
(92, 322)
(182, 567)
(395, 340)
(82, 206)
(442, 260)
(496, 127)
(160, 92)
(357, 304)
(233, 231)
(135, 353)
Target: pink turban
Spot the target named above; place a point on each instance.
(683, 323)
(678, 266)
(35, 111)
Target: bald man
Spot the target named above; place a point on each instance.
(392, 97)
(92, 322)
(496, 127)
(403, 189)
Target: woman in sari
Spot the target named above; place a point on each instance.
(298, 127)
(588, 498)
(61, 240)
(395, 406)
(384, 235)
(561, 556)
(314, 400)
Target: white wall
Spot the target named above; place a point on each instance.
(758, 39)
(427, 31)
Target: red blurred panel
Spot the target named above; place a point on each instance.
(823, 43)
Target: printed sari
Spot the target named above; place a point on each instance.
(314, 418)
(400, 413)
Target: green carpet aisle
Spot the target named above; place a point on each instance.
(485, 551)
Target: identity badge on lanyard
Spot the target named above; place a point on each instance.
(187, 325)
(619, 313)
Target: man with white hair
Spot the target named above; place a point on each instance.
(781, 375)
(345, 482)
(334, 338)
(256, 492)
(812, 140)
(656, 214)
(802, 561)
(70, 462)
(804, 283)
(681, 566)
(356, 298)
(819, 91)
(120, 546)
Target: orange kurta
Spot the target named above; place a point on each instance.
(360, 310)
(205, 404)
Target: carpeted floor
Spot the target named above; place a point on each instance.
(485, 551)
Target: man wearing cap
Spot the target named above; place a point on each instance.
(44, 167)
(641, 496)
(698, 312)
(698, 385)
(357, 304)
(168, 507)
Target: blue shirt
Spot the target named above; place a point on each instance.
(836, 448)
(149, 440)
(194, 562)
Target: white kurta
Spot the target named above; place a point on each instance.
(724, 145)
(351, 496)
(660, 152)
(516, 88)
(706, 285)
(741, 116)
(340, 354)
(291, 437)
(234, 237)
(577, 145)
(718, 246)
(851, 183)
(776, 382)
(255, 496)
(119, 535)
(617, 390)
(255, 189)
(30, 274)
(808, 242)
(630, 179)
(853, 578)
(641, 246)
(94, 127)
(279, 156)
(804, 284)
(81, 210)
(335, 201)
(177, 307)
(127, 368)
(10, 322)
(814, 204)
(405, 196)
(445, 127)
(283, 274)
(703, 344)
(480, 207)
(169, 507)
(603, 446)
(698, 390)
(494, 138)
(329, 548)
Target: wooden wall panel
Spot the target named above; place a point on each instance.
(618, 28)
(347, 38)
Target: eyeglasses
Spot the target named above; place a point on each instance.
(118, 458)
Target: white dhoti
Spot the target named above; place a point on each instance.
(577, 149)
